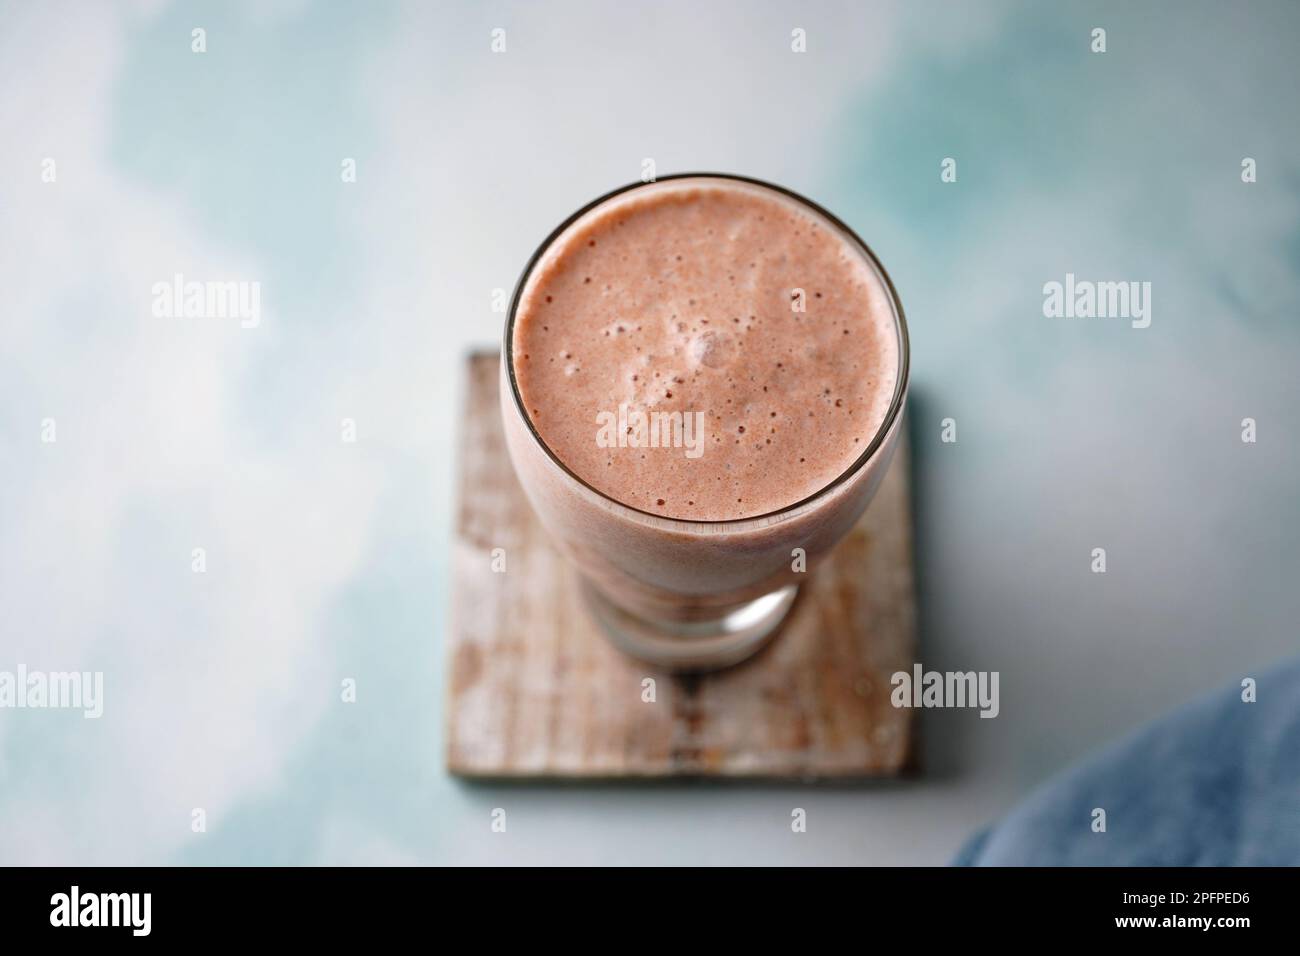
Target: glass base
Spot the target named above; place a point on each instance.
(693, 645)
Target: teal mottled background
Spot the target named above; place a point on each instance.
(328, 560)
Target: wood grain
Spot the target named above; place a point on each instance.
(536, 691)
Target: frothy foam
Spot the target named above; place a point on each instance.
(713, 296)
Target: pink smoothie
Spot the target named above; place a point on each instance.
(716, 297)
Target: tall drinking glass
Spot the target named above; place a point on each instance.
(676, 592)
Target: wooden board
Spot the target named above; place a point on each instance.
(536, 691)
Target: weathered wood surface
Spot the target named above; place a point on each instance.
(536, 691)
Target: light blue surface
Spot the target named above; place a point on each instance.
(328, 561)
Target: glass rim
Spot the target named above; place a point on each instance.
(728, 524)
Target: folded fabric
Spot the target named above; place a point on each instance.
(1214, 784)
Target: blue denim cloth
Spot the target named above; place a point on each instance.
(1214, 784)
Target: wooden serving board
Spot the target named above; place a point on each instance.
(537, 692)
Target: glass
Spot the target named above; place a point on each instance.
(686, 594)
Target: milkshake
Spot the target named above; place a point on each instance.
(702, 384)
